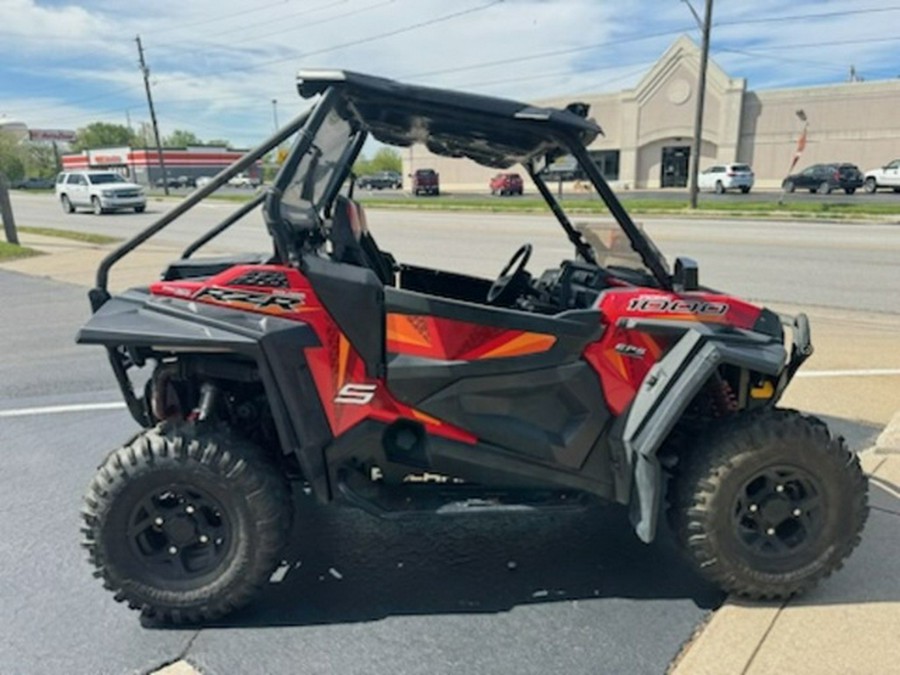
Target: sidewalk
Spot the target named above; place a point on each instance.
(76, 262)
(848, 625)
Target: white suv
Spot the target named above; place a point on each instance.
(102, 191)
(887, 176)
(722, 177)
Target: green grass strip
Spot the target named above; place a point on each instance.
(736, 208)
(12, 251)
(85, 237)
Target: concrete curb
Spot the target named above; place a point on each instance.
(181, 667)
(741, 638)
(889, 440)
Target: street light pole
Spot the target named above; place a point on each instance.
(701, 98)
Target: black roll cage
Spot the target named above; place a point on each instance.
(306, 125)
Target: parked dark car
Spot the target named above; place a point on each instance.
(383, 180)
(425, 182)
(823, 178)
(178, 182)
(506, 184)
(34, 184)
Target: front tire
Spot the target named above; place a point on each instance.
(769, 503)
(96, 206)
(140, 209)
(849, 191)
(66, 203)
(186, 525)
(789, 186)
(871, 185)
(745, 189)
(825, 188)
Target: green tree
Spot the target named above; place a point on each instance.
(181, 139)
(219, 143)
(386, 159)
(12, 157)
(103, 135)
(40, 159)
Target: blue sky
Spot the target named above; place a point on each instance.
(217, 65)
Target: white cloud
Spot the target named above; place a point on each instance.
(217, 65)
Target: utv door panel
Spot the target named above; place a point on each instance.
(513, 379)
(554, 415)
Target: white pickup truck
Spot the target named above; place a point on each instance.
(242, 180)
(887, 176)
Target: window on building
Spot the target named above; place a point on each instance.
(608, 163)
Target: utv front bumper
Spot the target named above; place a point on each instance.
(801, 347)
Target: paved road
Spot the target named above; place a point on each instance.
(840, 265)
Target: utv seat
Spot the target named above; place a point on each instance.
(352, 243)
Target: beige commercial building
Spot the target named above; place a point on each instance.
(649, 129)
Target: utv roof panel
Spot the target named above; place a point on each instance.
(492, 131)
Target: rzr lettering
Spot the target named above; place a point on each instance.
(661, 305)
(285, 303)
(356, 394)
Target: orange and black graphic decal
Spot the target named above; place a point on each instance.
(439, 338)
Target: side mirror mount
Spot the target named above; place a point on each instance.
(687, 275)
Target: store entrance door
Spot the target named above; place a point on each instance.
(675, 162)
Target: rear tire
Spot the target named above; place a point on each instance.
(745, 189)
(849, 191)
(66, 204)
(871, 185)
(186, 524)
(720, 189)
(825, 188)
(769, 503)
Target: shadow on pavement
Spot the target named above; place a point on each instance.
(349, 566)
(346, 566)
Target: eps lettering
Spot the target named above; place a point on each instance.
(356, 394)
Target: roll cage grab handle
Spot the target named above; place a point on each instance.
(99, 294)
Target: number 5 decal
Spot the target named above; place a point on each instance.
(357, 394)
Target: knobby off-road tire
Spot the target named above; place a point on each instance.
(768, 503)
(186, 524)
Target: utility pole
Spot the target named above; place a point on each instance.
(275, 113)
(146, 71)
(701, 97)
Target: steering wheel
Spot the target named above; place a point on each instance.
(507, 284)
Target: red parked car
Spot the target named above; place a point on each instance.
(506, 184)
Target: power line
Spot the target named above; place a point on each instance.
(245, 27)
(540, 55)
(816, 15)
(253, 10)
(229, 46)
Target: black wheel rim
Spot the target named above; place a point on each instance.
(779, 513)
(179, 533)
